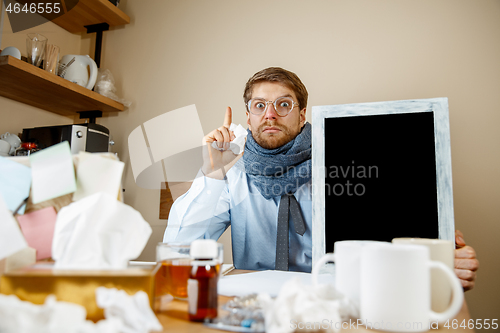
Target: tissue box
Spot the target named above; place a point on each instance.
(35, 283)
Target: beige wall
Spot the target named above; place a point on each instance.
(179, 52)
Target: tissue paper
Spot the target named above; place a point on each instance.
(134, 312)
(124, 314)
(18, 316)
(98, 232)
(238, 144)
(299, 303)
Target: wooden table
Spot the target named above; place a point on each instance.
(175, 318)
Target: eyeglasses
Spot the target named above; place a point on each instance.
(282, 105)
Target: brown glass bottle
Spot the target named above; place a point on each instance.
(202, 289)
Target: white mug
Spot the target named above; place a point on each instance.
(347, 258)
(13, 140)
(395, 288)
(440, 250)
(4, 147)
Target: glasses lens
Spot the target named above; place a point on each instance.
(284, 105)
(257, 106)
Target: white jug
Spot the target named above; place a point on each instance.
(77, 72)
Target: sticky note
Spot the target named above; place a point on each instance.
(11, 238)
(38, 230)
(97, 174)
(15, 183)
(52, 173)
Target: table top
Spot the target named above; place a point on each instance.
(174, 317)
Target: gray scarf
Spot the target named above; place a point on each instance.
(278, 171)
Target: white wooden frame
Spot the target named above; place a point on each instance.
(439, 106)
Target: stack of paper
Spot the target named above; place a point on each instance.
(269, 282)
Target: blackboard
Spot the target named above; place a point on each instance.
(381, 170)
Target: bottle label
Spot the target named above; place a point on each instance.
(192, 291)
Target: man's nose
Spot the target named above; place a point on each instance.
(270, 112)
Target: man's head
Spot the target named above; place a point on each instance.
(274, 128)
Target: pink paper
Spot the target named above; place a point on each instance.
(38, 229)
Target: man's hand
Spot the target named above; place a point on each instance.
(466, 263)
(216, 163)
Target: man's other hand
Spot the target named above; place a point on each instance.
(466, 263)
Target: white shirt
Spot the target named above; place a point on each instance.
(211, 205)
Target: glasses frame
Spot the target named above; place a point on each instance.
(270, 102)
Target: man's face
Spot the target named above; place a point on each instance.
(269, 129)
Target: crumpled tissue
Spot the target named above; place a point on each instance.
(98, 232)
(18, 316)
(238, 144)
(299, 306)
(124, 314)
(134, 311)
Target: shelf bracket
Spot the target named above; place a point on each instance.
(91, 115)
(98, 29)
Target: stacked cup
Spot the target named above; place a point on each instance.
(9, 143)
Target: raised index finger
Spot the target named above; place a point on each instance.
(228, 118)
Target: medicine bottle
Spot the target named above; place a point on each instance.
(203, 278)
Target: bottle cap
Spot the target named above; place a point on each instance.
(203, 249)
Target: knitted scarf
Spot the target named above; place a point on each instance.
(278, 171)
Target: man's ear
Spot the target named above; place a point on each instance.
(302, 117)
(248, 121)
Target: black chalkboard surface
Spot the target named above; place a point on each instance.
(380, 177)
(381, 170)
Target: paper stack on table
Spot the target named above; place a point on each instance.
(269, 282)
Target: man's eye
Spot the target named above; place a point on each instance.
(284, 104)
(260, 105)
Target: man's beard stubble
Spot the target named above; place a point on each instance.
(273, 140)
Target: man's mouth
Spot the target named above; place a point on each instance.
(271, 129)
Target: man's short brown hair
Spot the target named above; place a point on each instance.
(279, 75)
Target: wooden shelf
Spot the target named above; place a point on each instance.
(88, 12)
(28, 84)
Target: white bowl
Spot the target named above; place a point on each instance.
(11, 51)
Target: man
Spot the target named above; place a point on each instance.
(260, 191)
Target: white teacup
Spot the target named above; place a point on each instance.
(440, 250)
(4, 147)
(347, 258)
(395, 288)
(13, 140)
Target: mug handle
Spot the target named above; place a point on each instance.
(3, 136)
(315, 271)
(458, 294)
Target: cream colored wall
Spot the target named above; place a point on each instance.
(179, 52)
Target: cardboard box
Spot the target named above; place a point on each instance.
(34, 283)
